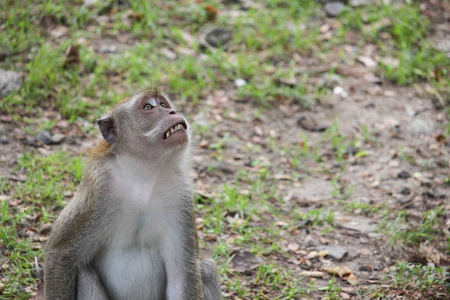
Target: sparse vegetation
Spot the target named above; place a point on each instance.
(265, 183)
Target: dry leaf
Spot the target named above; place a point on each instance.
(316, 274)
(293, 246)
(244, 261)
(340, 271)
(344, 272)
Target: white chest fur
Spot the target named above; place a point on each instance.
(146, 202)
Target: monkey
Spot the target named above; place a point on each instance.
(129, 232)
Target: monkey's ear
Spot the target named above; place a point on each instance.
(108, 129)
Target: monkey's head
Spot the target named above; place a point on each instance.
(145, 124)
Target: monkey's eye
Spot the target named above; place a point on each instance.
(148, 106)
(163, 104)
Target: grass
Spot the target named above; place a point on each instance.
(274, 45)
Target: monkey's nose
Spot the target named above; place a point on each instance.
(173, 112)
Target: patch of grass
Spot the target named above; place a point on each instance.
(413, 281)
(428, 228)
(18, 252)
(400, 34)
(48, 177)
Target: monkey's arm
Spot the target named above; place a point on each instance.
(63, 252)
(181, 259)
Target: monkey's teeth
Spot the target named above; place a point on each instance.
(173, 129)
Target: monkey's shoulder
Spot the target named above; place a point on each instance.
(72, 221)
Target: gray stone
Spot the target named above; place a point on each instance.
(48, 139)
(360, 224)
(333, 9)
(10, 81)
(244, 261)
(403, 175)
(336, 252)
(216, 37)
(45, 137)
(420, 126)
(4, 140)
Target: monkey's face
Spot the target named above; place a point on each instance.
(160, 122)
(146, 123)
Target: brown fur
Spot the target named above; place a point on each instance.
(100, 150)
(75, 251)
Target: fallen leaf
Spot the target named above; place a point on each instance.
(312, 255)
(340, 271)
(293, 246)
(244, 261)
(343, 272)
(316, 274)
(367, 61)
(352, 279)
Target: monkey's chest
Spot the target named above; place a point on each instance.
(132, 265)
(133, 273)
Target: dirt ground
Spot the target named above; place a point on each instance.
(346, 180)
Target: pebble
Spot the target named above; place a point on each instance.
(48, 139)
(240, 82)
(403, 175)
(333, 9)
(10, 81)
(336, 252)
(45, 137)
(4, 140)
(405, 191)
(216, 37)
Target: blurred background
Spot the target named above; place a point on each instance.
(321, 134)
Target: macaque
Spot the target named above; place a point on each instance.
(129, 232)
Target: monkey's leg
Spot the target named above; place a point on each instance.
(60, 276)
(89, 286)
(210, 280)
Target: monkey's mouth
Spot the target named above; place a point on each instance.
(179, 126)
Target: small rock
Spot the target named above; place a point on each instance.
(366, 268)
(4, 140)
(333, 9)
(58, 138)
(338, 90)
(216, 37)
(240, 82)
(45, 137)
(10, 81)
(308, 123)
(405, 191)
(48, 139)
(336, 252)
(420, 126)
(367, 61)
(245, 261)
(403, 175)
